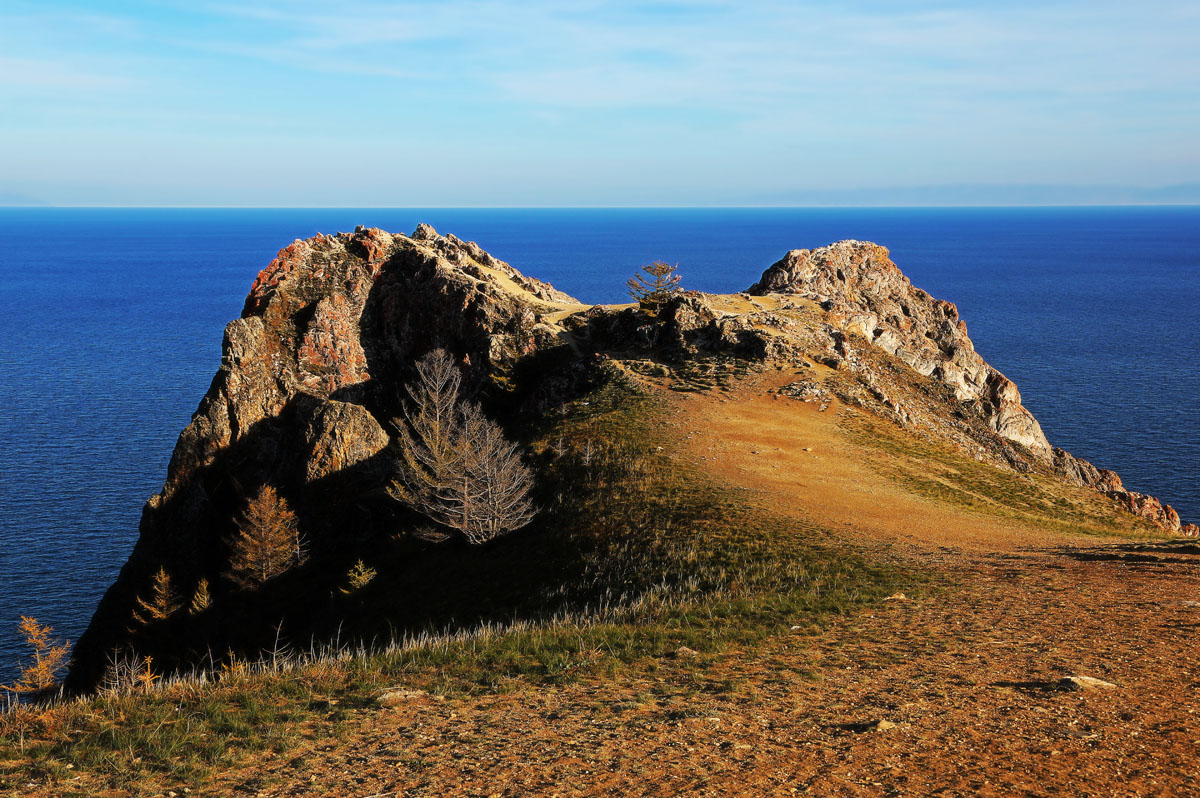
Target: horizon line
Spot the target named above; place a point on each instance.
(930, 206)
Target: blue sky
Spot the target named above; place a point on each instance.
(597, 103)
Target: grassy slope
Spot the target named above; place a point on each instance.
(635, 555)
(937, 472)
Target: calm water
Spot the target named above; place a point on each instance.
(111, 326)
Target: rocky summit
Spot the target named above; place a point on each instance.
(312, 379)
(864, 294)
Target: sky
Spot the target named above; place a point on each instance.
(588, 103)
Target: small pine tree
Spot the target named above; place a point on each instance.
(358, 577)
(163, 603)
(201, 598)
(653, 285)
(267, 542)
(40, 674)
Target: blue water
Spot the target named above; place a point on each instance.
(111, 326)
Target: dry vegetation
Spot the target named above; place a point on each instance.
(267, 543)
(679, 621)
(636, 557)
(457, 468)
(47, 659)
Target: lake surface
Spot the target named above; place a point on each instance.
(111, 322)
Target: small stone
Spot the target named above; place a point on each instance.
(1085, 683)
(403, 695)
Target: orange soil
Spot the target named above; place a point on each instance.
(796, 460)
(969, 675)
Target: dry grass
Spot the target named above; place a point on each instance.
(663, 557)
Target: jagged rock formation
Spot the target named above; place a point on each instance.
(865, 294)
(312, 372)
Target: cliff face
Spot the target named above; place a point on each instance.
(312, 375)
(864, 293)
(337, 320)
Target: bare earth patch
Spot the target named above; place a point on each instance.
(797, 459)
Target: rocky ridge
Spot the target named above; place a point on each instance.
(311, 378)
(864, 294)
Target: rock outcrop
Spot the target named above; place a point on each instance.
(865, 294)
(312, 375)
(309, 381)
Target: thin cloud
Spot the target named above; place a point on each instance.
(34, 73)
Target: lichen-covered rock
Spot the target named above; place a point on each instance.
(1148, 507)
(337, 436)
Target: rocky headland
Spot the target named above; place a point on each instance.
(312, 375)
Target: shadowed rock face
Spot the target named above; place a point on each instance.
(864, 293)
(335, 320)
(309, 381)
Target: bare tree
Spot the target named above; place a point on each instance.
(653, 285)
(501, 482)
(267, 542)
(428, 433)
(456, 466)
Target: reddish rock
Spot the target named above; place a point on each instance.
(308, 384)
(1150, 508)
(288, 259)
(330, 355)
